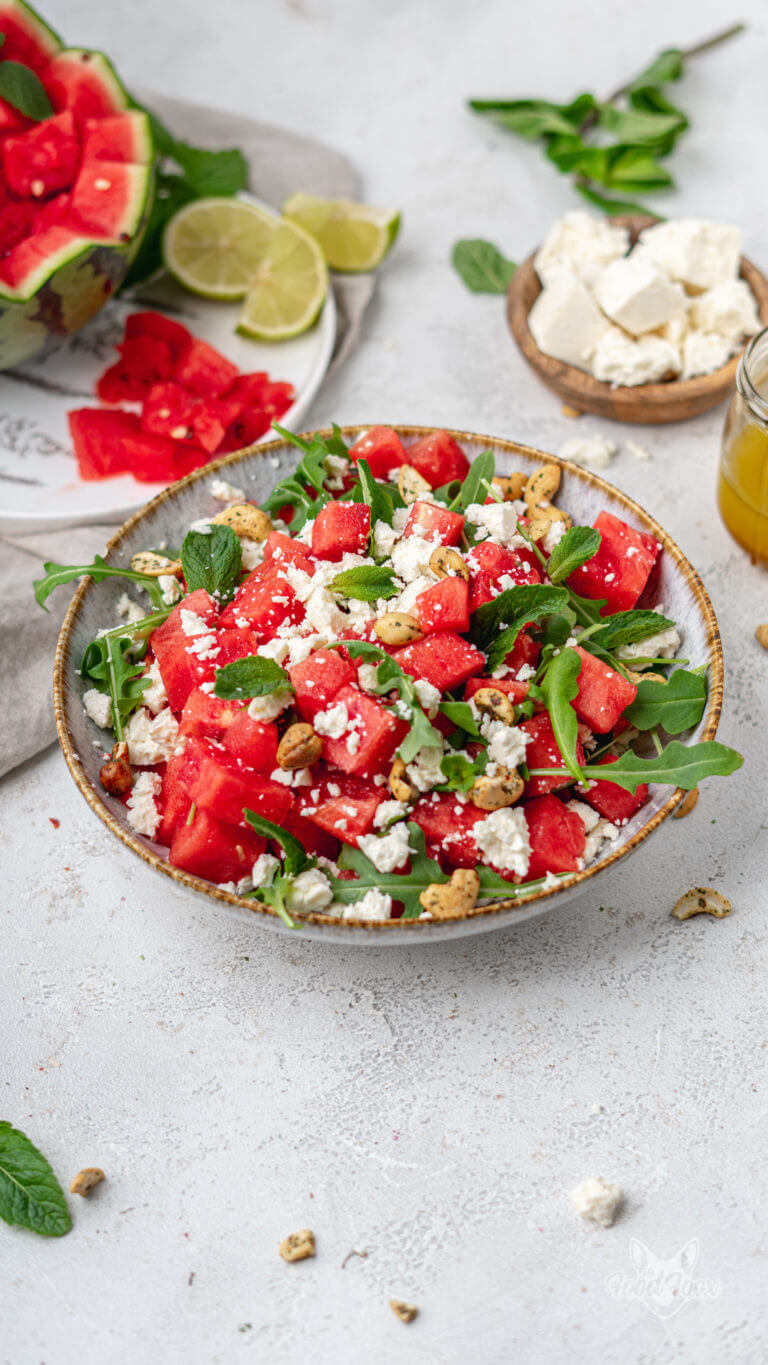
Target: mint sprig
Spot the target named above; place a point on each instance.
(366, 583)
(30, 1195)
(212, 560)
(391, 677)
(23, 90)
(252, 676)
(481, 266)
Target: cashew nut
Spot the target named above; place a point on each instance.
(702, 900)
(446, 562)
(146, 561)
(399, 787)
(298, 1245)
(411, 484)
(502, 789)
(451, 900)
(687, 805)
(490, 701)
(86, 1180)
(542, 485)
(397, 628)
(246, 519)
(406, 1312)
(761, 635)
(510, 485)
(299, 747)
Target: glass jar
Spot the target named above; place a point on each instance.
(743, 480)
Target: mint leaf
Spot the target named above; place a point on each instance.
(509, 612)
(172, 192)
(668, 66)
(460, 770)
(638, 126)
(612, 206)
(534, 119)
(676, 705)
(250, 677)
(212, 560)
(401, 886)
(678, 765)
(56, 574)
(30, 1195)
(559, 686)
(21, 88)
(627, 626)
(367, 583)
(375, 495)
(481, 266)
(296, 857)
(578, 545)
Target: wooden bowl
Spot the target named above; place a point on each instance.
(673, 401)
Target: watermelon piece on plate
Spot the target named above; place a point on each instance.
(448, 826)
(621, 568)
(84, 82)
(264, 602)
(204, 370)
(226, 788)
(434, 522)
(206, 716)
(542, 751)
(382, 449)
(369, 742)
(252, 742)
(109, 442)
(446, 660)
(210, 848)
(341, 528)
(317, 680)
(603, 694)
(493, 568)
(612, 802)
(343, 805)
(438, 458)
(444, 606)
(556, 835)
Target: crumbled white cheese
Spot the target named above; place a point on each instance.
(429, 696)
(170, 588)
(388, 851)
(276, 649)
(552, 536)
(388, 812)
(333, 722)
(597, 1200)
(595, 451)
(424, 770)
(410, 557)
(154, 697)
(265, 869)
(205, 647)
(192, 624)
(639, 451)
(366, 677)
(374, 904)
(697, 253)
(399, 519)
(151, 739)
(384, 538)
(98, 707)
(603, 831)
(588, 816)
(621, 360)
(226, 492)
(637, 295)
(499, 519)
(730, 309)
(129, 610)
(252, 551)
(587, 243)
(663, 645)
(503, 837)
(293, 777)
(704, 352)
(565, 322)
(143, 814)
(506, 744)
(408, 598)
(309, 892)
(268, 707)
(323, 611)
(336, 468)
(301, 646)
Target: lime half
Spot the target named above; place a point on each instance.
(214, 247)
(288, 288)
(353, 236)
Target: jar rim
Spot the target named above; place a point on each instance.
(746, 380)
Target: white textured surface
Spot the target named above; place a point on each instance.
(433, 1107)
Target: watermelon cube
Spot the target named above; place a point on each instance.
(204, 370)
(612, 802)
(207, 716)
(542, 751)
(444, 606)
(237, 643)
(525, 651)
(252, 742)
(493, 568)
(603, 693)
(280, 550)
(438, 458)
(175, 800)
(448, 826)
(311, 836)
(181, 670)
(434, 522)
(122, 137)
(214, 850)
(382, 448)
(343, 805)
(316, 680)
(516, 691)
(556, 835)
(200, 602)
(226, 788)
(146, 330)
(44, 159)
(373, 734)
(445, 660)
(168, 411)
(620, 569)
(341, 528)
(265, 601)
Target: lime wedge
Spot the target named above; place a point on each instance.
(288, 289)
(353, 236)
(214, 247)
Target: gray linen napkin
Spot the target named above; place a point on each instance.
(280, 163)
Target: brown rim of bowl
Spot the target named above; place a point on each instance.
(372, 927)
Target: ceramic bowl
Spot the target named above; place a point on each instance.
(165, 519)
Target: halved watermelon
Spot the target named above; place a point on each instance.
(61, 262)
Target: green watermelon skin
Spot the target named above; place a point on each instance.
(73, 274)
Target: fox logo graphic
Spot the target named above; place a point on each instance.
(663, 1286)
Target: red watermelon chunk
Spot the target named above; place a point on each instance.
(525, 651)
(17, 221)
(341, 528)
(181, 670)
(148, 327)
(168, 411)
(225, 787)
(44, 159)
(448, 826)
(121, 137)
(214, 850)
(556, 835)
(343, 805)
(542, 751)
(246, 429)
(84, 82)
(264, 601)
(368, 745)
(445, 660)
(106, 200)
(204, 370)
(438, 458)
(237, 643)
(311, 836)
(175, 801)
(280, 550)
(494, 568)
(603, 693)
(317, 680)
(444, 606)
(434, 522)
(620, 569)
(382, 449)
(253, 742)
(207, 716)
(612, 802)
(516, 691)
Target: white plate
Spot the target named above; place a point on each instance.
(39, 483)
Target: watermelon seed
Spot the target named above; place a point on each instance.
(102, 183)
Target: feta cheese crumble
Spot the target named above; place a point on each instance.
(374, 904)
(387, 852)
(388, 812)
(98, 707)
(226, 492)
(151, 739)
(594, 451)
(309, 893)
(265, 870)
(333, 722)
(269, 707)
(141, 806)
(154, 697)
(597, 1200)
(503, 837)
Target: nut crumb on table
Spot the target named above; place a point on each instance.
(702, 900)
(406, 1312)
(297, 1246)
(86, 1180)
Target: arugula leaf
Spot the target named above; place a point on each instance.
(365, 583)
(56, 574)
(676, 705)
(21, 88)
(491, 881)
(105, 662)
(375, 495)
(212, 560)
(477, 484)
(390, 676)
(556, 629)
(303, 489)
(559, 686)
(481, 266)
(624, 627)
(578, 545)
(296, 857)
(401, 886)
(461, 713)
(30, 1195)
(250, 677)
(678, 765)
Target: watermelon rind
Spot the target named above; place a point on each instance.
(41, 32)
(75, 58)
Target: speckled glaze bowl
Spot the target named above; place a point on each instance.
(255, 471)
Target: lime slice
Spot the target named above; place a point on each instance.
(215, 246)
(353, 236)
(288, 288)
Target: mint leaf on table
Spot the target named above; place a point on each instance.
(668, 66)
(611, 206)
(481, 266)
(559, 687)
(675, 705)
(477, 484)
(250, 677)
(21, 88)
(30, 1195)
(56, 574)
(577, 546)
(625, 627)
(535, 119)
(212, 560)
(367, 583)
(401, 886)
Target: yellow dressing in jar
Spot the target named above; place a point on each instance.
(743, 479)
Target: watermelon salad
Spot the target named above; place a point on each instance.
(76, 184)
(174, 403)
(402, 686)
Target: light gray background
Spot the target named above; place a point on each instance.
(431, 1107)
